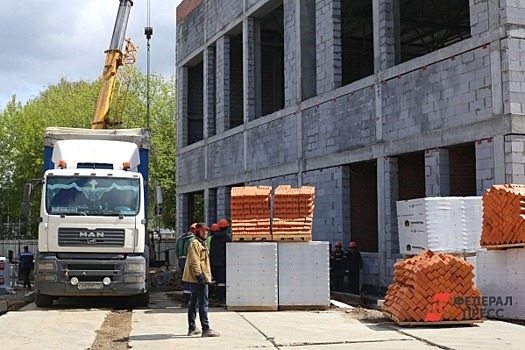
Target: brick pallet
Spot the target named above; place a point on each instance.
(503, 216)
(425, 288)
(291, 220)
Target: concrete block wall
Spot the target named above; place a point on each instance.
(437, 175)
(328, 45)
(226, 12)
(272, 143)
(225, 158)
(370, 272)
(485, 170)
(222, 96)
(191, 167)
(291, 47)
(332, 208)
(339, 124)
(445, 98)
(515, 159)
(479, 18)
(513, 73)
(444, 94)
(190, 31)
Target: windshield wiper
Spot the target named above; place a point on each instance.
(75, 213)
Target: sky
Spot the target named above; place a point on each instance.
(43, 41)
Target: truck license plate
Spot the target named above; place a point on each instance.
(86, 286)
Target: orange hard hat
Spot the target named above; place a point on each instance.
(201, 227)
(215, 227)
(352, 245)
(338, 244)
(223, 223)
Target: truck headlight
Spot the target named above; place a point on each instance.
(45, 266)
(134, 267)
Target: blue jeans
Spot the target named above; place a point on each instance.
(199, 299)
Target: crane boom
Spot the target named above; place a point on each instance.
(114, 59)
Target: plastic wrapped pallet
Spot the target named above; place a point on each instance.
(251, 282)
(304, 275)
(441, 224)
(501, 275)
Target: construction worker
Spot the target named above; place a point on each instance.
(217, 246)
(214, 228)
(353, 267)
(25, 262)
(338, 267)
(181, 251)
(197, 273)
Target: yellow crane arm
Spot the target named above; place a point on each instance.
(114, 59)
(107, 86)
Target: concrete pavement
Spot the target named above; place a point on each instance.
(163, 326)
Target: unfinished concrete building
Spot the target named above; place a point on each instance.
(370, 101)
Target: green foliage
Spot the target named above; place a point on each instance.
(72, 104)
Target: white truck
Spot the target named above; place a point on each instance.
(92, 236)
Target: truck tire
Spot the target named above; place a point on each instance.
(141, 299)
(43, 300)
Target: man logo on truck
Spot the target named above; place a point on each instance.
(94, 234)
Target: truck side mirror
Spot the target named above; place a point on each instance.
(26, 201)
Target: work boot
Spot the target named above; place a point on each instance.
(195, 331)
(210, 333)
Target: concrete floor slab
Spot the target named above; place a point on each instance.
(487, 335)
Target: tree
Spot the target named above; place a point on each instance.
(71, 104)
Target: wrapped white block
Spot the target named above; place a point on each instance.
(442, 224)
(251, 275)
(304, 278)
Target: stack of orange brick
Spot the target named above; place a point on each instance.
(432, 287)
(293, 210)
(503, 215)
(250, 210)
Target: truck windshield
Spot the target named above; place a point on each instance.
(90, 195)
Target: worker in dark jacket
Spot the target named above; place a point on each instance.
(181, 250)
(217, 246)
(25, 262)
(354, 265)
(338, 267)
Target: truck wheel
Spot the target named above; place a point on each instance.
(141, 299)
(43, 300)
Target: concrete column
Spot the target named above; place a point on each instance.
(437, 173)
(209, 92)
(329, 70)
(386, 45)
(515, 159)
(222, 96)
(223, 202)
(183, 217)
(251, 69)
(292, 53)
(182, 107)
(485, 169)
(388, 195)
(210, 206)
(479, 17)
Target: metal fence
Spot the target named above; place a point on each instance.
(17, 246)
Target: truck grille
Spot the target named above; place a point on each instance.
(74, 237)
